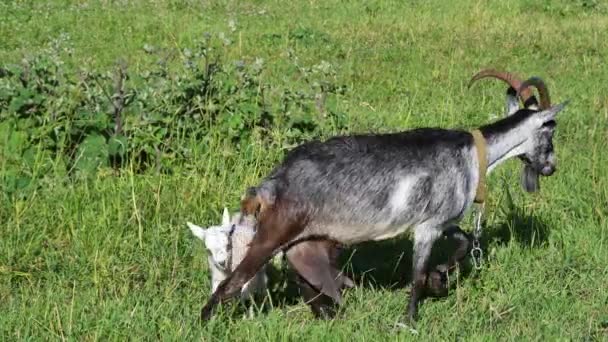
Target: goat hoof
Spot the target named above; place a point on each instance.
(324, 313)
(437, 283)
(208, 310)
(411, 318)
(206, 314)
(412, 314)
(407, 326)
(347, 283)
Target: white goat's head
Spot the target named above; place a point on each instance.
(217, 240)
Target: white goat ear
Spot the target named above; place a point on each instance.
(196, 230)
(226, 217)
(549, 114)
(511, 104)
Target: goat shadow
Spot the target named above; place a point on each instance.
(388, 264)
(527, 229)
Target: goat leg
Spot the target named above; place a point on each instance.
(257, 255)
(334, 253)
(424, 237)
(437, 281)
(311, 260)
(321, 305)
(319, 279)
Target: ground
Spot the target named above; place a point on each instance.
(112, 258)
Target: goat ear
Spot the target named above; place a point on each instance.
(529, 179)
(511, 104)
(225, 217)
(549, 114)
(196, 230)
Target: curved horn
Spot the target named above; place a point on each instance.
(507, 77)
(543, 91)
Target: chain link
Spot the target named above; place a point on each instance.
(476, 251)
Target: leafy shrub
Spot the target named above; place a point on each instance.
(74, 123)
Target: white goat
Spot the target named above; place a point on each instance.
(227, 244)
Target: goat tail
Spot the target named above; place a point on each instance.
(250, 202)
(257, 199)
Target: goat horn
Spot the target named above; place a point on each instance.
(507, 77)
(543, 91)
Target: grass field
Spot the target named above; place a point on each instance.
(110, 258)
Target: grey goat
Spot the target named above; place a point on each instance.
(357, 188)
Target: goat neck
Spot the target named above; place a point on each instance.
(507, 138)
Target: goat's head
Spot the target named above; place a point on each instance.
(539, 158)
(216, 239)
(538, 154)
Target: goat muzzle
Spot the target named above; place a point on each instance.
(548, 170)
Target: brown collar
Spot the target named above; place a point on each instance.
(482, 157)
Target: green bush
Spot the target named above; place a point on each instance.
(73, 124)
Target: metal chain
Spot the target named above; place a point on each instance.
(476, 251)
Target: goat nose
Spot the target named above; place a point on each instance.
(548, 170)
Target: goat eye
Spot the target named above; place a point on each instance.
(550, 124)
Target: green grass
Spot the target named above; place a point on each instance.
(111, 257)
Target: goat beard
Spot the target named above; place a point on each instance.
(530, 179)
